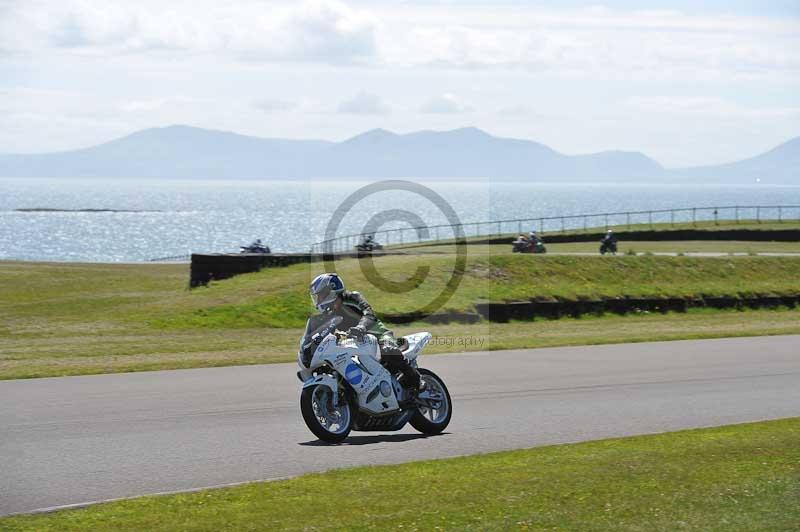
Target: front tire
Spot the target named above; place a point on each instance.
(328, 423)
(430, 420)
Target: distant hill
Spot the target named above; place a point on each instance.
(189, 152)
(778, 165)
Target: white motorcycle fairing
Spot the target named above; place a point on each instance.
(357, 363)
(345, 386)
(416, 343)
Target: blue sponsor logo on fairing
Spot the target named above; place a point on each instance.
(353, 374)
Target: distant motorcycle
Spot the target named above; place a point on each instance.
(608, 245)
(368, 245)
(525, 245)
(255, 247)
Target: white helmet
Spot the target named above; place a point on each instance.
(325, 289)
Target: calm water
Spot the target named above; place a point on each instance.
(181, 217)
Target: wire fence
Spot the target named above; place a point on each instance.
(576, 222)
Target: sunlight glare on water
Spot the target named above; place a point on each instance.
(180, 217)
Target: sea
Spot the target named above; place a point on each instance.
(138, 220)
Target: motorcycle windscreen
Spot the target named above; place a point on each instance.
(319, 323)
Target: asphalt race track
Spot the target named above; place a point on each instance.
(79, 439)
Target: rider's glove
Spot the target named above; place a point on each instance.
(356, 332)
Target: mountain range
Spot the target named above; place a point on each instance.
(466, 153)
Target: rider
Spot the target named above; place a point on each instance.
(610, 237)
(329, 296)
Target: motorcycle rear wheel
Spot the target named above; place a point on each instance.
(331, 425)
(432, 421)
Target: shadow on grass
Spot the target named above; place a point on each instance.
(368, 440)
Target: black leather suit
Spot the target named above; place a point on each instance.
(357, 312)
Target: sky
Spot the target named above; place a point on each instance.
(686, 82)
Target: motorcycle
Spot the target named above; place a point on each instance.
(368, 245)
(608, 246)
(345, 387)
(523, 245)
(255, 247)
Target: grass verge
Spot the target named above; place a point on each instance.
(72, 319)
(126, 351)
(683, 246)
(739, 477)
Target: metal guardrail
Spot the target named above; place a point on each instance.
(412, 235)
(173, 258)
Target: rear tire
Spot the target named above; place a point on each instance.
(312, 397)
(432, 421)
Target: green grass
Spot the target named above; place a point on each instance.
(735, 478)
(251, 300)
(69, 319)
(58, 354)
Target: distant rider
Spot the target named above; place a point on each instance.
(329, 296)
(609, 242)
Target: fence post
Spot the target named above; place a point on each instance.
(584, 224)
(758, 214)
(541, 225)
(499, 227)
(694, 216)
(606, 221)
(628, 220)
(737, 214)
(562, 224)
(650, 215)
(780, 215)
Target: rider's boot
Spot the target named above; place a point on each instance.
(396, 361)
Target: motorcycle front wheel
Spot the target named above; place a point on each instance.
(435, 409)
(329, 423)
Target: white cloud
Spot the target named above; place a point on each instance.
(445, 104)
(364, 103)
(594, 43)
(576, 43)
(314, 30)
